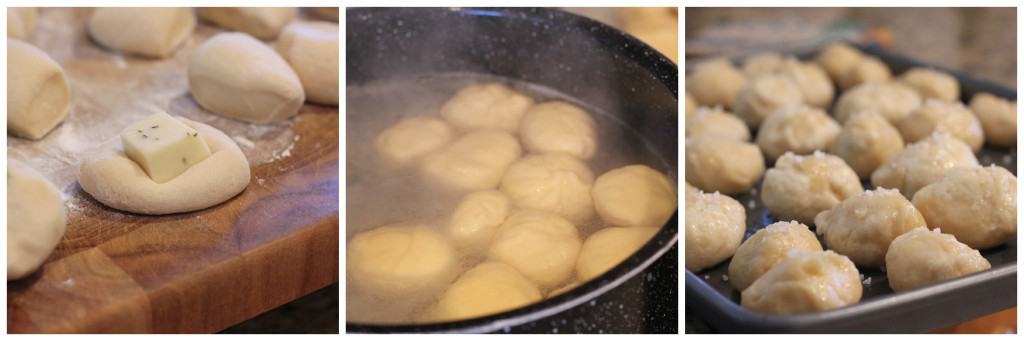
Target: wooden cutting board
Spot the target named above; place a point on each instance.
(193, 272)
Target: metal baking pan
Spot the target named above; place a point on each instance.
(709, 294)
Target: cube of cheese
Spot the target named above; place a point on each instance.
(164, 146)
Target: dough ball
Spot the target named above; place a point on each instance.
(21, 22)
(923, 163)
(486, 105)
(559, 127)
(474, 162)
(837, 58)
(325, 13)
(921, 257)
(148, 31)
(815, 87)
(412, 138)
(998, 118)
(716, 82)
(691, 104)
(608, 247)
(803, 283)
(894, 101)
(862, 226)
(38, 96)
(799, 129)
(488, 288)
(400, 260)
(35, 219)
(541, 245)
(763, 64)
(951, 118)
(554, 182)
(867, 70)
(932, 84)
(800, 187)
(722, 165)
(261, 22)
(977, 205)
(715, 121)
(634, 195)
(311, 48)
(767, 247)
(714, 228)
(690, 188)
(867, 141)
(564, 289)
(763, 95)
(476, 219)
(239, 77)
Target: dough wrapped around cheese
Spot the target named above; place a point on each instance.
(764, 63)
(486, 105)
(552, 182)
(923, 163)
(722, 165)
(799, 129)
(921, 257)
(716, 83)
(714, 228)
(261, 22)
(894, 101)
(475, 161)
(803, 283)
(36, 219)
(608, 247)
(325, 13)
(867, 141)
(541, 245)
(811, 79)
(951, 118)
(412, 138)
(476, 219)
(998, 117)
(634, 195)
(932, 83)
(488, 288)
(38, 96)
(838, 58)
(977, 205)
(764, 95)
(400, 261)
(800, 187)
(715, 121)
(691, 104)
(866, 70)
(559, 127)
(311, 48)
(862, 226)
(149, 31)
(21, 22)
(159, 141)
(767, 247)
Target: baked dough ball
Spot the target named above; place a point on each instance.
(541, 245)
(488, 288)
(400, 261)
(862, 226)
(690, 188)
(932, 84)
(115, 180)
(715, 121)
(799, 129)
(837, 58)
(486, 105)
(476, 219)
(767, 247)
(239, 77)
(815, 87)
(608, 247)
(553, 182)
(867, 141)
(763, 95)
(691, 104)
(311, 48)
(952, 118)
(261, 22)
(38, 96)
(21, 22)
(634, 195)
(412, 138)
(560, 127)
(800, 187)
(149, 31)
(325, 13)
(923, 163)
(894, 101)
(803, 283)
(714, 229)
(977, 205)
(716, 82)
(998, 118)
(763, 64)
(35, 219)
(722, 165)
(474, 162)
(867, 70)
(921, 257)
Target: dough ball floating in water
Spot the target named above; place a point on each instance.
(634, 195)
(488, 288)
(553, 182)
(486, 105)
(410, 139)
(559, 127)
(541, 245)
(400, 260)
(608, 247)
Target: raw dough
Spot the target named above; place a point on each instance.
(487, 105)
(866, 141)
(932, 84)
(799, 129)
(634, 195)
(476, 219)
(400, 261)
(722, 165)
(486, 289)
(163, 146)
(977, 205)
(894, 101)
(608, 247)
(21, 22)
(998, 118)
(800, 187)
(325, 13)
(474, 162)
(311, 48)
(541, 245)
(921, 257)
(838, 58)
(948, 117)
(35, 219)
(761, 64)
(116, 181)
(149, 31)
(242, 78)
(923, 163)
(412, 138)
(553, 182)
(866, 70)
(862, 226)
(715, 121)
(803, 283)
(38, 96)
(716, 82)
(767, 247)
(714, 229)
(559, 127)
(691, 104)
(815, 87)
(262, 22)
(763, 95)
